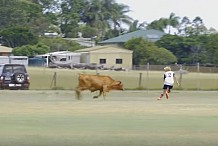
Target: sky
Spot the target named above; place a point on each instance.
(150, 10)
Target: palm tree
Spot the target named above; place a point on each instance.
(172, 21)
(118, 15)
(136, 26)
(105, 15)
(160, 24)
(95, 16)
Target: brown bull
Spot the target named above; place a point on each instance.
(97, 82)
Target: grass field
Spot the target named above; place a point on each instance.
(42, 78)
(125, 118)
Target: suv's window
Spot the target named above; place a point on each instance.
(14, 69)
(7, 69)
(19, 69)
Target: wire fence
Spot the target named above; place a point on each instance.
(187, 67)
(190, 77)
(144, 77)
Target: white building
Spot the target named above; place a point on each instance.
(61, 57)
(14, 59)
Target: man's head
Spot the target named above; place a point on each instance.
(167, 68)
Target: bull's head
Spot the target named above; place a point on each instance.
(117, 85)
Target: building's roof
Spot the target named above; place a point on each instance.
(151, 35)
(87, 42)
(5, 49)
(105, 49)
(59, 53)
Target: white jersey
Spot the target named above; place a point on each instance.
(169, 78)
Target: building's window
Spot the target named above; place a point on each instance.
(119, 61)
(102, 61)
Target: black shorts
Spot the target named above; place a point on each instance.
(167, 87)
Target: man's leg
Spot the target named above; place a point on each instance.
(168, 93)
(162, 94)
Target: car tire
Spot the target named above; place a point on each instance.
(19, 77)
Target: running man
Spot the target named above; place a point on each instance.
(169, 79)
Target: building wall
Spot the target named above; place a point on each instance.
(14, 59)
(20, 60)
(4, 59)
(85, 58)
(109, 53)
(111, 59)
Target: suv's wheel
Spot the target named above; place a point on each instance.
(19, 77)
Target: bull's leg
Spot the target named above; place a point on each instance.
(100, 93)
(104, 91)
(78, 93)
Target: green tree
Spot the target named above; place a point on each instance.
(183, 26)
(48, 5)
(88, 31)
(138, 47)
(135, 25)
(164, 23)
(23, 13)
(160, 24)
(70, 15)
(172, 21)
(161, 56)
(190, 49)
(30, 50)
(198, 27)
(106, 16)
(59, 44)
(118, 15)
(18, 36)
(210, 43)
(179, 46)
(95, 17)
(145, 51)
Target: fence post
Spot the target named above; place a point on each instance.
(54, 80)
(97, 73)
(147, 76)
(180, 75)
(198, 67)
(198, 72)
(140, 80)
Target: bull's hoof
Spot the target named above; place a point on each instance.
(95, 96)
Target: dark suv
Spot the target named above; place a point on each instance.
(14, 76)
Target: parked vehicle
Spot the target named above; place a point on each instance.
(14, 76)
